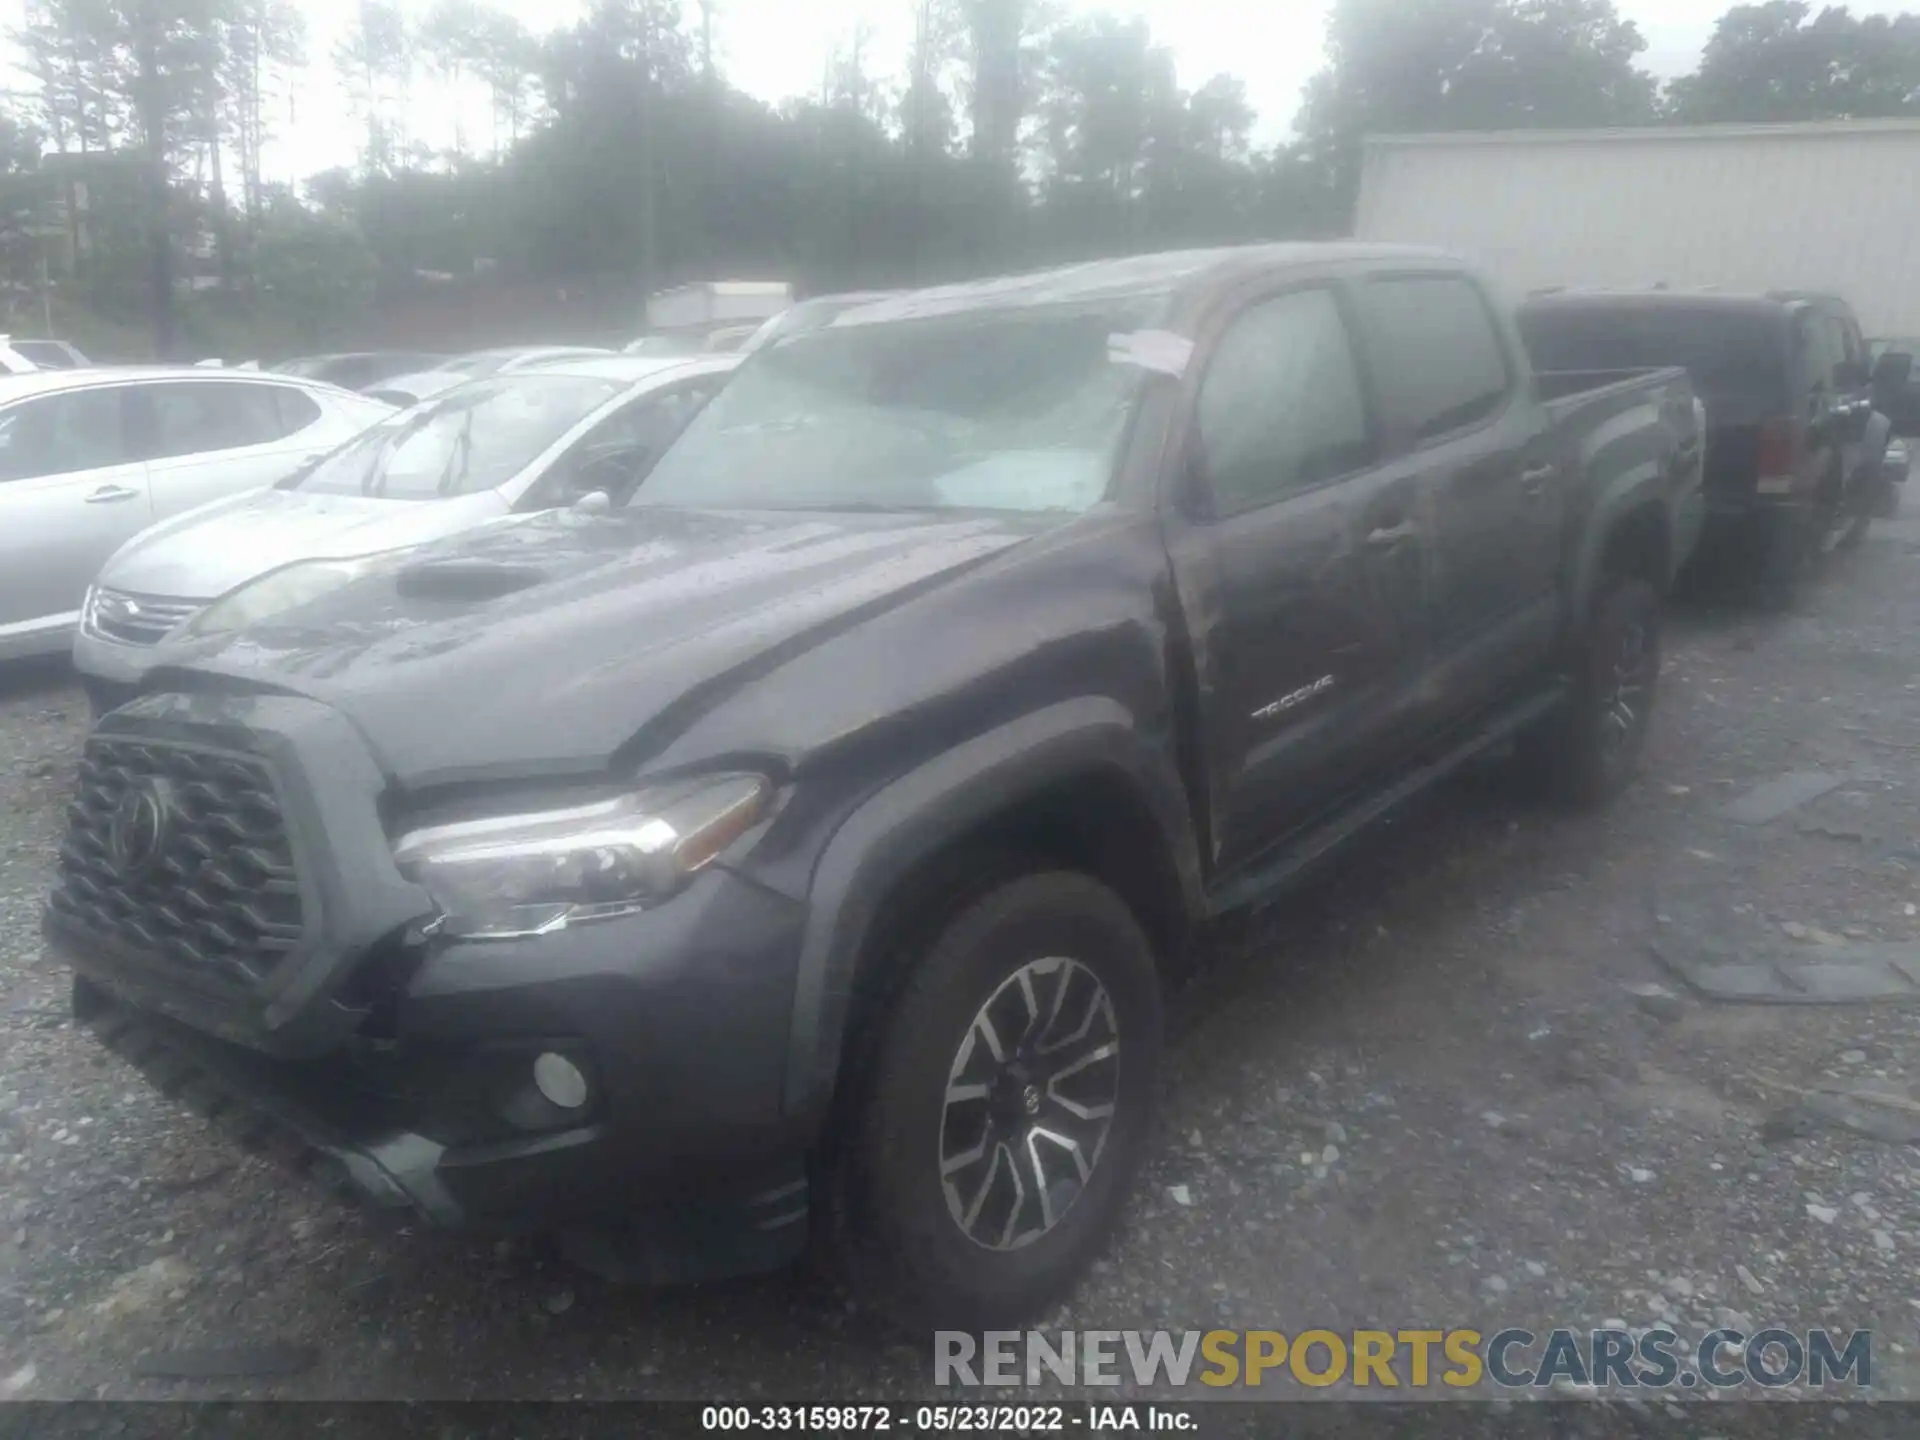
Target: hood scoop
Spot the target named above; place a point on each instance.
(466, 579)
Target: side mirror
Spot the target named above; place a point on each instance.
(1895, 368)
(594, 502)
(1849, 375)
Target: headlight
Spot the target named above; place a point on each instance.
(274, 592)
(510, 876)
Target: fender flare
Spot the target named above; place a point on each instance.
(1633, 489)
(894, 830)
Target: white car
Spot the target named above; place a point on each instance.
(89, 458)
(518, 441)
(411, 389)
(23, 357)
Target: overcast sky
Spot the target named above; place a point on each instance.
(776, 48)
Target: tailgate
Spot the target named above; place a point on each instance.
(1733, 443)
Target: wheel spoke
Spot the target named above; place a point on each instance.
(972, 1216)
(1082, 1162)
(1025, 977)
(1011, 1227)
(1040, 1187)
(1096, 1002)
(971, 1156)
(983, 1025)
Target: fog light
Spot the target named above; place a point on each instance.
(560, 1081)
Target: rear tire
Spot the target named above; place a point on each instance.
(1588, 750)
(1001, 1123)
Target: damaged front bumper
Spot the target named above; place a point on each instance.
(322, 1124)
(407, 1070)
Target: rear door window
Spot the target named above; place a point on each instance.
(1436, 355)
(61, 434)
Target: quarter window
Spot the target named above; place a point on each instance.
(297, 409)
(1281, 407)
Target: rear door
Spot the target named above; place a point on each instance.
(1306, 627)
(70, 494)
(206, 439)
(1462, 424)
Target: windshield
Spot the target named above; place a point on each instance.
(1897, 345)
(471, 439)
(1000, 410)
(1727, 353)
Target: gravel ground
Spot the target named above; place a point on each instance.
(1439, 1089)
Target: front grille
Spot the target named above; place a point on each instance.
(135, 619)
(181, 854)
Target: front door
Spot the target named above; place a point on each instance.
(69, 497)
(1302, 569)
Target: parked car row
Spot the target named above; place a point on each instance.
(536, 438)
(779, 824)
(90, 458)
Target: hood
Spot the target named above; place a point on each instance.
(209, 550)
(561, 644)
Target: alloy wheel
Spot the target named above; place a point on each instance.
(1030, 1100)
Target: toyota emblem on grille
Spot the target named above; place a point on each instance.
(138, 831)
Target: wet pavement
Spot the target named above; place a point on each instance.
(1483, 1074)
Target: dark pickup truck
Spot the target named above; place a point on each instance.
(799, 851)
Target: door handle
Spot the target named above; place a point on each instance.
(1385, 537)
(109, 494)
(1534, 478)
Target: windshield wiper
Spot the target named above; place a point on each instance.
(463, 450)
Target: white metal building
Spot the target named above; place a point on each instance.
(1830, 207)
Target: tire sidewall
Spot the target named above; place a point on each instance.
(901, 1198)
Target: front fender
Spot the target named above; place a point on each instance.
(880, 843)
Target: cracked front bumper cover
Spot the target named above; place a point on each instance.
(757, 1223)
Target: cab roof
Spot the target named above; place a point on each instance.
(1181, 277)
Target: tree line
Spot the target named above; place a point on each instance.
(1016, 134)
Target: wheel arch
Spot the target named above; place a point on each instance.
(1075, 786)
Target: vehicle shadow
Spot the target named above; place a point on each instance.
(35, 676)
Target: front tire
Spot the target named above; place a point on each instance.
(1588, 751)
(1006, 1111)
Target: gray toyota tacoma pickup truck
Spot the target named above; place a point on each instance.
(798, 853)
